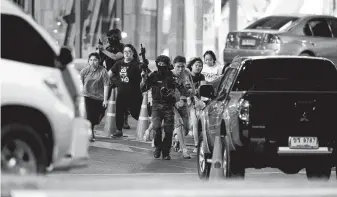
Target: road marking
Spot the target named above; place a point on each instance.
(173, 173)
(112, 146)
(133, 174)
(186, 192)
(27, 193)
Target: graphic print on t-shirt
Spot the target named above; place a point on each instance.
(210, 73)
(124, 74)
(210, 76)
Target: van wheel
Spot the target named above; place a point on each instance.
(232, 162)
(318, 173)
(204, 167)
(22, 150)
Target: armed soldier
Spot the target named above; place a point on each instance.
(163, 85)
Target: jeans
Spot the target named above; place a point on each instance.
(182, 119)
(160, 112)
(126, 103)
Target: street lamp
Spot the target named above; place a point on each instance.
(124, 35)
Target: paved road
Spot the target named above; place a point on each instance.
(163, 185)
(127, 168)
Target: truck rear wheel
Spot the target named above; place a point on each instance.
(232, 162)
(22, 150)
(203, 166)
(318, 172)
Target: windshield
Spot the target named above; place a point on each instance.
(274, 23)
(287, 75)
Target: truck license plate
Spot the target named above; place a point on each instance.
(303, 142)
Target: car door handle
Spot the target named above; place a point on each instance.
(312, 43)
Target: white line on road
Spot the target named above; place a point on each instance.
(133, 174)
(142, 174)
(188, 192)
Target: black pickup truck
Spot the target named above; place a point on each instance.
(278, 112)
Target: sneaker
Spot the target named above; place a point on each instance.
(126, 126)
(166, 157)
(92, 138)
(156, 153)
(185, 154)
(117, 134)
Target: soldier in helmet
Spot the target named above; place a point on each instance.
(163, 85)
(114, 51)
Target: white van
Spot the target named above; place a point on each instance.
(43, 124)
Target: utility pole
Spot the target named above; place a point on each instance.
(233, 15)
(217, 23)
(78, 28)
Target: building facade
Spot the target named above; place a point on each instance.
(170, 27)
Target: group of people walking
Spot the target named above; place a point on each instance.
(175, 100)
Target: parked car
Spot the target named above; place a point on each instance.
(277, 111)
(43, 126)
(305, 35)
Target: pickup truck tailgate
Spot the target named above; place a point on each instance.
(279, 115)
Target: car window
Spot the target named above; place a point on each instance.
(333, 26)
(317, 28)
(227, 82)
(274, 22)
(21, 42)
(287, 75)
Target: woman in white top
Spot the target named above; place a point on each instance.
(211, 70)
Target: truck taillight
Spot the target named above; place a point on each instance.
(244, 106)
(232, 41)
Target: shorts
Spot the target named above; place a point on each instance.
(181, 118)
(95, 110)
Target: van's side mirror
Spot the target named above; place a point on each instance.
(207, 91)
(64, 58)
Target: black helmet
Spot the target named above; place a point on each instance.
(163, 58)
(115, 33)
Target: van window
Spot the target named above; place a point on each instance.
(21, 42)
